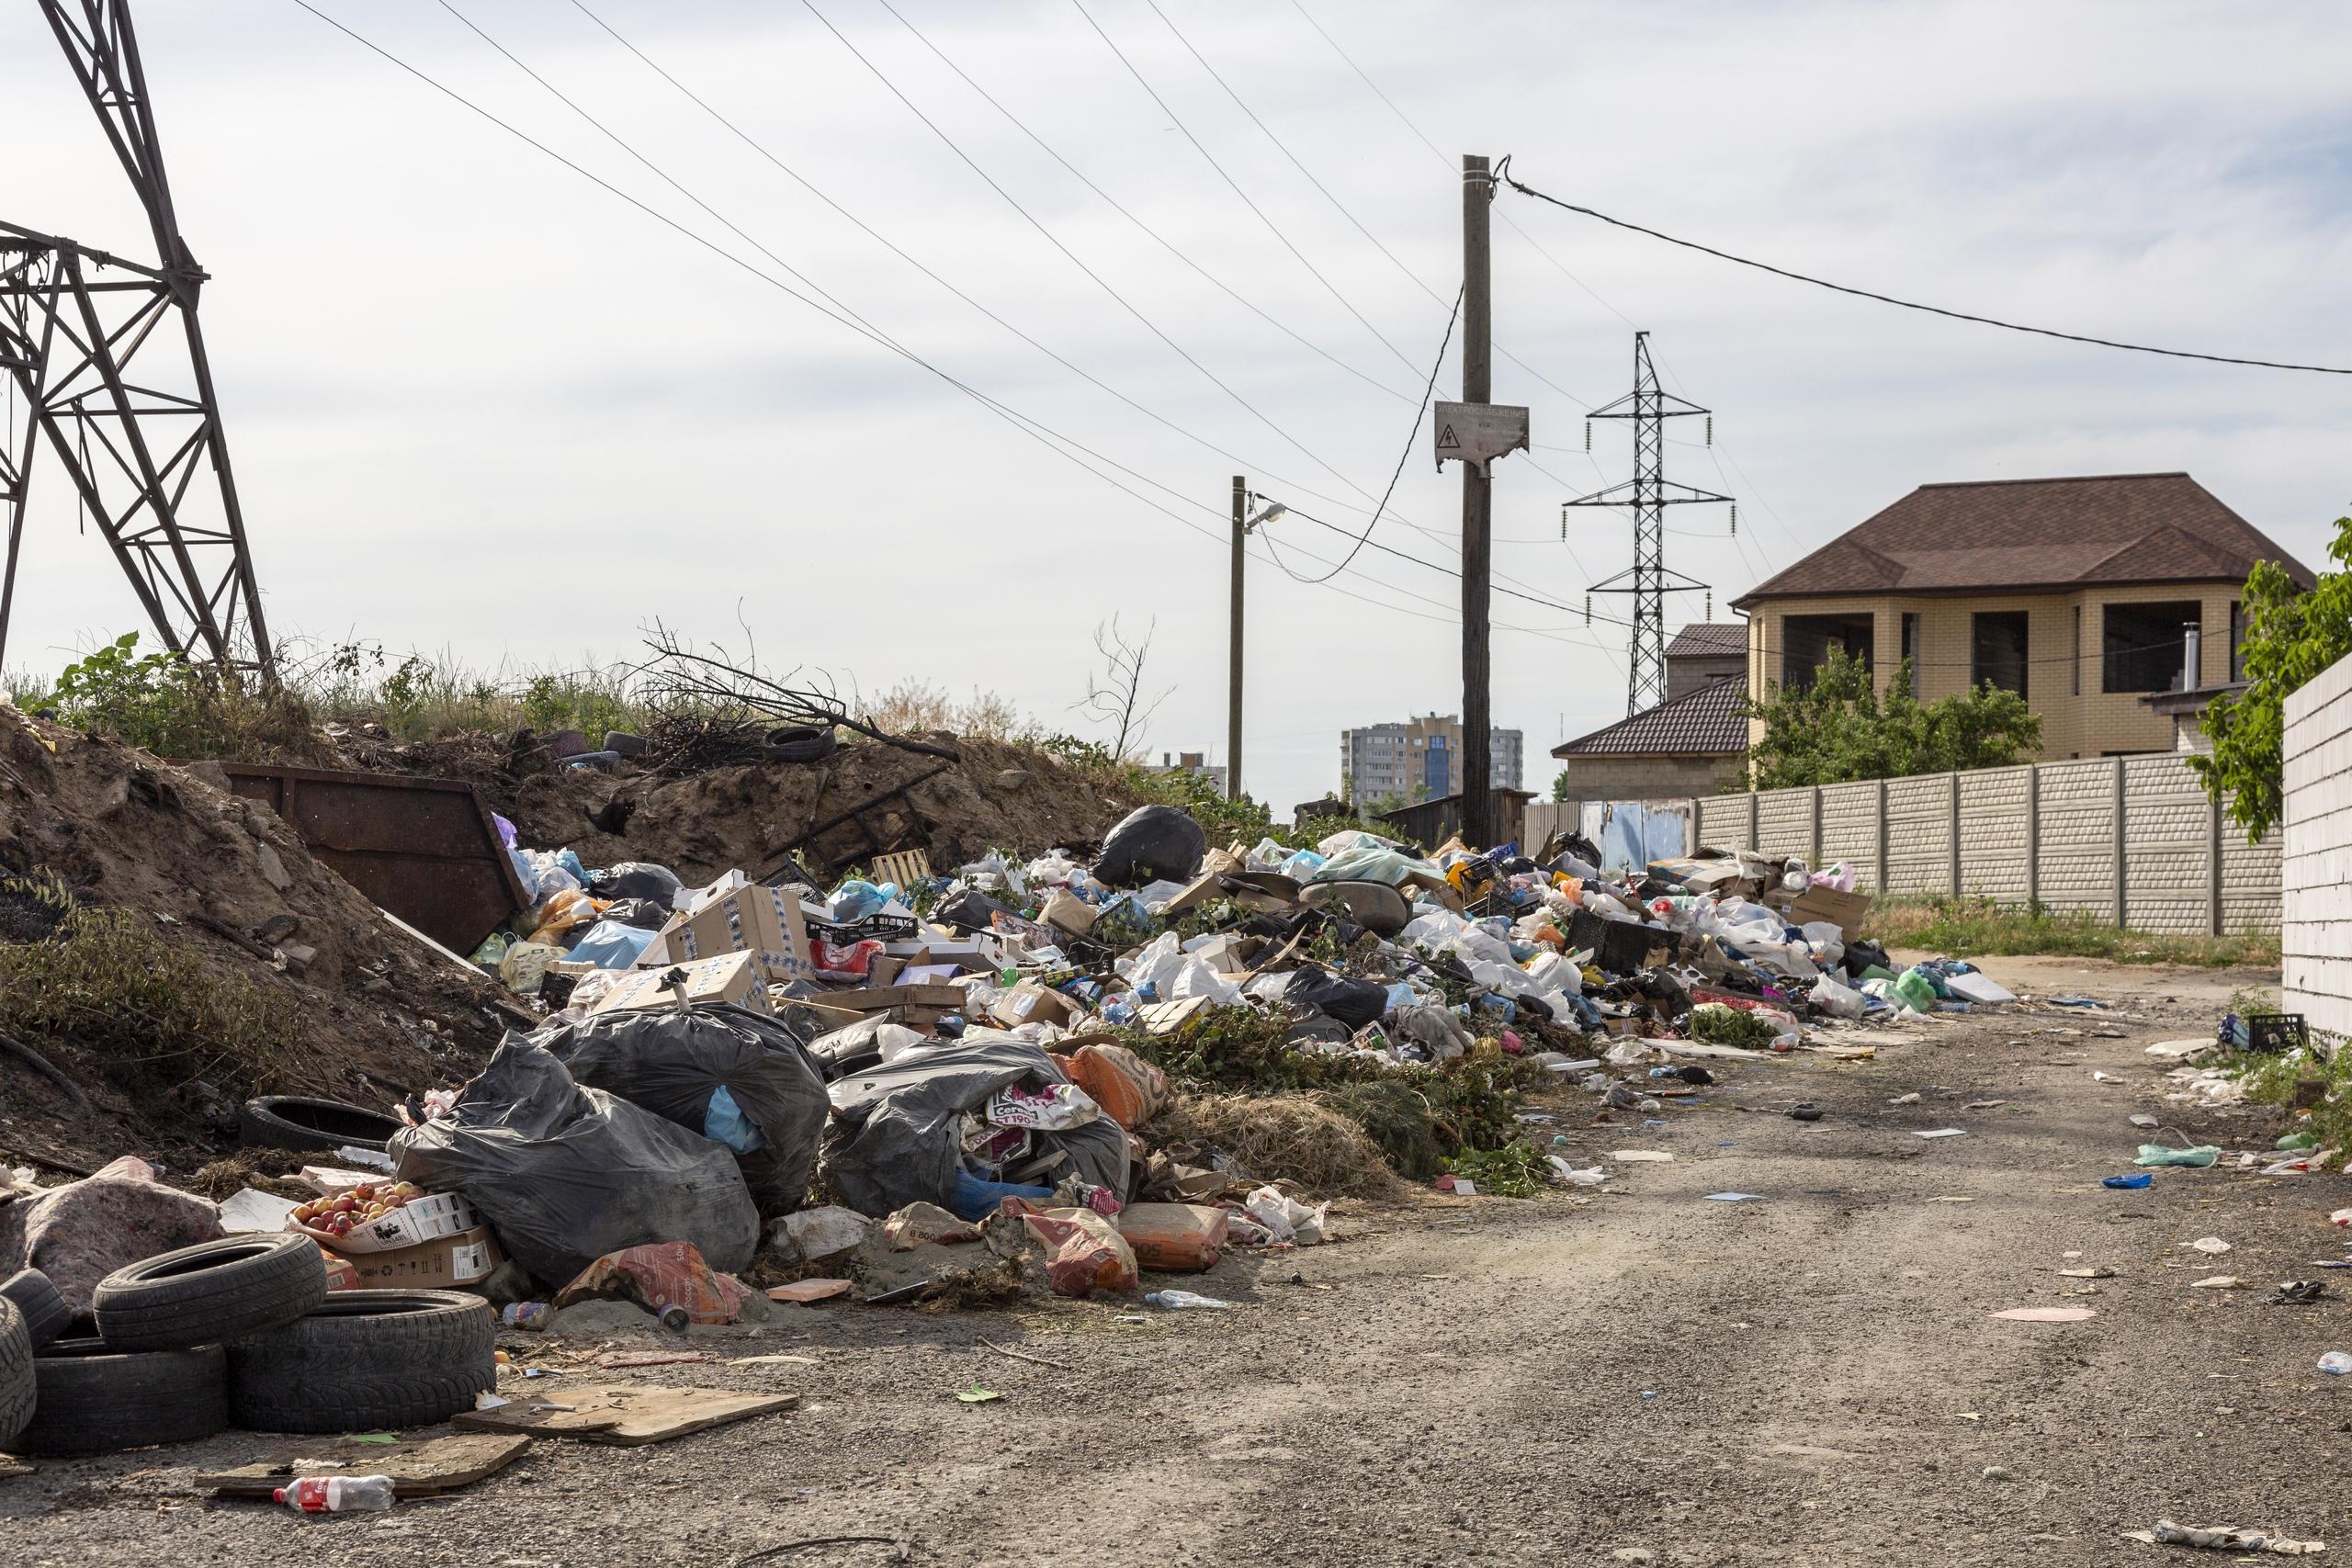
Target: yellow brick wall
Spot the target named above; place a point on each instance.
(2091, 723)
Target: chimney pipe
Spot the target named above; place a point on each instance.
(2189, 636)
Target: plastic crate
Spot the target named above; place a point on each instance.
(2276, 1032)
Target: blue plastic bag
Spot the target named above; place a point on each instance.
(611, 945)
(725, 1123)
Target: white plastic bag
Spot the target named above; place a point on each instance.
(1837, 1001)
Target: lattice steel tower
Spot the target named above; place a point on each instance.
(1649, 492)
(140, 443)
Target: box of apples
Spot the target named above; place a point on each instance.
(379, 1216)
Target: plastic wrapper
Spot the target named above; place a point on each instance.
(1151, 843)
(847, 960)
(737, 1078)
(565, 1174)
(561, 913)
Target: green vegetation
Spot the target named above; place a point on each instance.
(2314, 1084)
(149, 1013)
(2290, 636)
(1839, 728)
(1972, 928)
(1419, 1116)
(1515, 1170)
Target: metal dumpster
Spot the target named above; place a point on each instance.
(422, 849)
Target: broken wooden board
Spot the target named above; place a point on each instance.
(624, 1414)
(420, 1467)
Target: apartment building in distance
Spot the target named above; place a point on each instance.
(1421, 760)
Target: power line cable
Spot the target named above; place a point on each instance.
(1053, 240)
(1411, 436)
(1270, 226)
(1526, 189)
(1119, 208)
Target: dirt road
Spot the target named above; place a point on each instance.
(1812, 1378)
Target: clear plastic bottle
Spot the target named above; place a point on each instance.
(2335, 1362)
(337, 1493)
(1186, 1301)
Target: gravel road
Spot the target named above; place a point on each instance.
(1813, 1378)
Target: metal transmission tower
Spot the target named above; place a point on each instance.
(1649, 492)
(104, 357)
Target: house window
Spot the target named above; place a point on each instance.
(2144, 646)
(2077, 661)
(1805, 642)
(2237, 641)
(1911, 645)
(1996, 650)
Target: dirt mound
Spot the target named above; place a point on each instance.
(179, 877)
(996, 795)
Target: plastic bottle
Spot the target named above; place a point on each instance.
(337, 1493)
(1186, 1301)
(2336, 1363)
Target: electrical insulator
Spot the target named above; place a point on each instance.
(1711, 430)
(1587, 609)
(1735, 520)
(1711, 603)
(1588, 435)
(1563, 524)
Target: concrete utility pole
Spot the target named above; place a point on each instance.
(1478, 514)
(1233, 694)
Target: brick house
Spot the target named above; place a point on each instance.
(2087, 596)
(1695, 742)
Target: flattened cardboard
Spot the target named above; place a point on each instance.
(1850, 912)
(1067, 912)
(622, 1413)
(420, 1467)
(1032, 1003)
(738, 978)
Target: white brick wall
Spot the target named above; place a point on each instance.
(2315, 865)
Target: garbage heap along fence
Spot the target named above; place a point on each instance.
(2315, 937)
(2132, 839)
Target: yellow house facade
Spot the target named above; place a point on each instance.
(2085, 595)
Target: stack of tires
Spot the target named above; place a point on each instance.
(239, 1331)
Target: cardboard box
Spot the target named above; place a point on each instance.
(765, 921)
(1850, 912)
(738, 978)
(1032, 1003)
(415, 1223)
(446, 1262)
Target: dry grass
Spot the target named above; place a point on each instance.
(147, 1012)
(1281, 1137)
(1978, 928)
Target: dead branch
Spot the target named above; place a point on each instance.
(721, 691)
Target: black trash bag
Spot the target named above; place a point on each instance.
(565, 1174)
(969, 910)
(1353, 1002)
(1318, 1029)
(674, 1064)
(895, 1135)
(1152, 843)
(645, 914)
(1861, 956)
(635, 879)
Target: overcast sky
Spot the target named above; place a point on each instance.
(483, 409)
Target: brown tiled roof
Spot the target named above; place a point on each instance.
(1708, 639)
(1709, 722)
(2022, 533)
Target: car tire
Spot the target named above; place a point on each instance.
(91, 1399)
(16, 1385)
(301, 1122)
(211, 1291)
(366, 1361)
(45, 1312)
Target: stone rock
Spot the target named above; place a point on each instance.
(1014, 778)
(273, 869)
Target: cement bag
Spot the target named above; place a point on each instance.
(565, 1174)
(1152, 843)
(897, 1136)
(1130, 1090)
(736, 1076)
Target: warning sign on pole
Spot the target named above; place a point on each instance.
(1479, 432)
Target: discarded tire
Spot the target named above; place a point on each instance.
(365, 1360)
(297, 1121)
(214, 1291)
(45, 1312)
(92, 1400)
(16, 1373)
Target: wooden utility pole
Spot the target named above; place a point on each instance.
(1233, 695)
(1478, 514)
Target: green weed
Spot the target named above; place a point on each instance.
(1967, 927)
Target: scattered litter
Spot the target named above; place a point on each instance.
(2047, 1314)
(2297, 1293)
(2225, 1538)
(1984, 1105)
(2208, 1243)
(1911, 1099)
(2218, 1282)
(2101, 1272)
(2336, 1363)
(1942, 1132)
(2137, 1178)
(807, 1290)
(2141, 1119)
(1735, 1197)
(976, 1395)
(1642, 1156)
